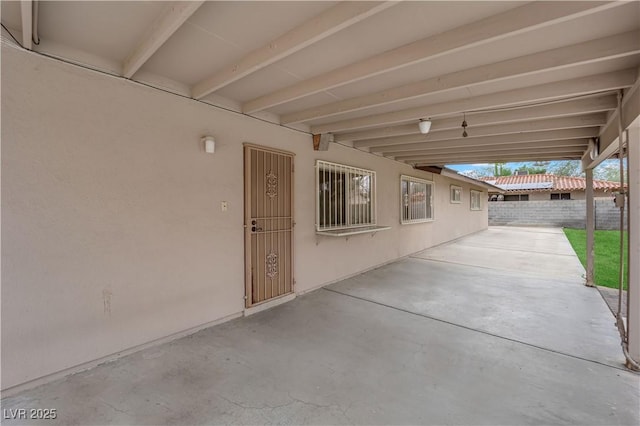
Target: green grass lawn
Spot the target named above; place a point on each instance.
(606, 254)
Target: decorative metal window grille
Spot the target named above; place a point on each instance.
(475, 200)
(456, 194)
(416, 200)
(346, 196)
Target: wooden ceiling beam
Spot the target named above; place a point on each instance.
(558, 109)
(617, 46)
(609, 134)
(171, 18)
(495, 158)
(531, 16)
(574, 122)
(329, 22)
(509, 98)
(571, 145)
(579, 133)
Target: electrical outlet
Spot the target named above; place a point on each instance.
(224, 206)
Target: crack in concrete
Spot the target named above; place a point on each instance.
(114, 408)
(302, 401)
(293, 400)
(240, 404)
(345, 415)
(342, 410)
(266, 406)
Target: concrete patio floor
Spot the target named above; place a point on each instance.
(495, 328)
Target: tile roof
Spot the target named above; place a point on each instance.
(548, 183)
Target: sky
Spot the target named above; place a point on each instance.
(603, 171)
(482, 166)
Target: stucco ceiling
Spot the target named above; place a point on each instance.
(535, 80)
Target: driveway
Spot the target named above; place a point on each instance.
(495, 328)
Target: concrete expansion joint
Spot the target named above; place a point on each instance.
(491, 268)
(510, 249)
(477, 330)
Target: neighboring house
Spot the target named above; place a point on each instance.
(546, 187)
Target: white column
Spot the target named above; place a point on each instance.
(590, 225)
(633, 313)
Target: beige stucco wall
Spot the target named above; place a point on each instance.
(112, 232)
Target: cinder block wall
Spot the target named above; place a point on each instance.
(564, 213)
(607, 214)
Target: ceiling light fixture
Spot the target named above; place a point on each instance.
(425, 126)
(464, 125)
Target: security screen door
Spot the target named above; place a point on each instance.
(268, 222)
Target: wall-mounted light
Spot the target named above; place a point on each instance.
(209, 144)
(425, 126)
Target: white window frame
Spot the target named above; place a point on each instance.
(346, 214)
(475, 202)
(405, 201)
(453, 190)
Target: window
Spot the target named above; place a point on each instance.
(346, 196)
(416, 200)
(562, 196)
(517, 197)
(475, 200)
(456, 194)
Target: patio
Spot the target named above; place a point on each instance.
(494, 328)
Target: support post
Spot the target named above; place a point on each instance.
(26, 14)
(633, 308)
(590, 225)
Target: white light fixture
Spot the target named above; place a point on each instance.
(425, 126)
(209, 144)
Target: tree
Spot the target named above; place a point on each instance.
(608, 170)
(535, 168)
(478, 172)
(499, 169)
(566, 168)
(539, 167)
